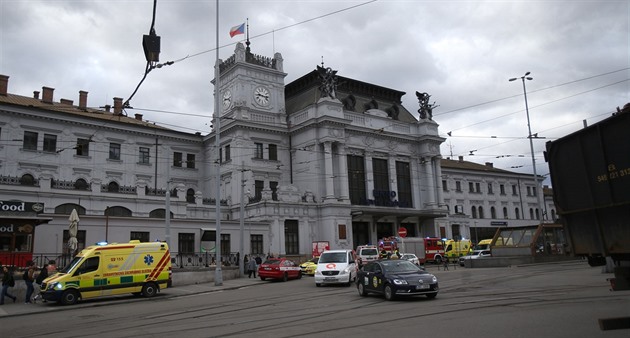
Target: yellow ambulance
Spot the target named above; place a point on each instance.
(111, 269)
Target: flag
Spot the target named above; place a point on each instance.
(240, 29)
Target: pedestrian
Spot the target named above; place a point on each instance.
(29, 278)
(7, 282)
(43, 274)
(445, 264)
(251, 268)
(258, 260)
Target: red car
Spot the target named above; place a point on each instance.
(279, 268)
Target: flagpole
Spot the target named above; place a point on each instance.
(218, 273)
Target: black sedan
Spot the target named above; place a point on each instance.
(395, 277)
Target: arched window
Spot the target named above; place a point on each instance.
(481, 212)
(117, 211)
(159, 213)
(174, 192)
(537, 213)
(113, 187)
(190, 195)
(493, 213)
(81, 184)
(66, 209)
(27, 179)
(505, 213)
(473, 211)
(518, 213)
(531, 213)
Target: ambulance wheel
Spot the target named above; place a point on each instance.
(389, 292)
(285, 277)
(70, 297)
(361, 290)
(149, 290)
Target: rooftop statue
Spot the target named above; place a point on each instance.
(426, 108)
(328, 87)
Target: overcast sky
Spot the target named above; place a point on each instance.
(460, 52)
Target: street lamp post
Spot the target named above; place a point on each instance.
(531, 142)
(218, 273)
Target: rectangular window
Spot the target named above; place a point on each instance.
(274, 190)
(273, 152)
(177, 159)
(227, 153)
(403, 181)
(502, 189)
(533, 191)
(342, 231)
(83, 147)
(514, 190)
(190, 161)
(356, 180)
(259, 150)
(490, 189)
(258, 188)
(478, 188)
(458, 186)
(225, 245)
(381, 182)
(186, 243)
(50, 143)
(142, 236)
(444, 185)
(529, 191)
(291, 238)
(114, 151)
(144, 155)
(30, 140)
(256, 244)
(471, 187)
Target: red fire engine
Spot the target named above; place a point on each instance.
(389, 244)
(434, 248)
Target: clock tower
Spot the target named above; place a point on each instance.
(252, 84)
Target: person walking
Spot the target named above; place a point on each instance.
(43, 274)
(29, 278)
(251, 268)
(7, 282)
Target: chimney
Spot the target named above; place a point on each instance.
(4, 85)
(47, 96)
(36, 94)
(138, 117)
(83, 99)
(118, 105)
(489, 164)
(461, 158)
(66, 101)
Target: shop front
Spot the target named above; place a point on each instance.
(17, 230)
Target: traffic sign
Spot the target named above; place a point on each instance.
(402, 232)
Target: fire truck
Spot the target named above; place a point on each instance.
(434, 248)
(389, 244)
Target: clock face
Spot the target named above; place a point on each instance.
(227, 98)
(261, 95)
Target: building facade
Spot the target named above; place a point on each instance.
(324, 158)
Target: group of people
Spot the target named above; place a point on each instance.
(384, 254)
(32, 279)
(251, 265)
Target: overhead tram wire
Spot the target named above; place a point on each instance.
(538, 90)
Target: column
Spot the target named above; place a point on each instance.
(438, 175)
(328, 171)
(430, 172)
(369, 176)
(343, 173)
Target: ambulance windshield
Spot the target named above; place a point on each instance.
(72, 265)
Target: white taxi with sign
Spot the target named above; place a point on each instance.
(335, 267)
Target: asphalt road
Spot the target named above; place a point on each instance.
(552, 300)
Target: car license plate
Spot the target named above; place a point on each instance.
(267, 268)
(330, 278)
(422, 287)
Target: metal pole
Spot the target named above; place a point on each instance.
(218, 273)
(531, 147)
(242, 221)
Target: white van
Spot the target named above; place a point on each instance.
(336, 266)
